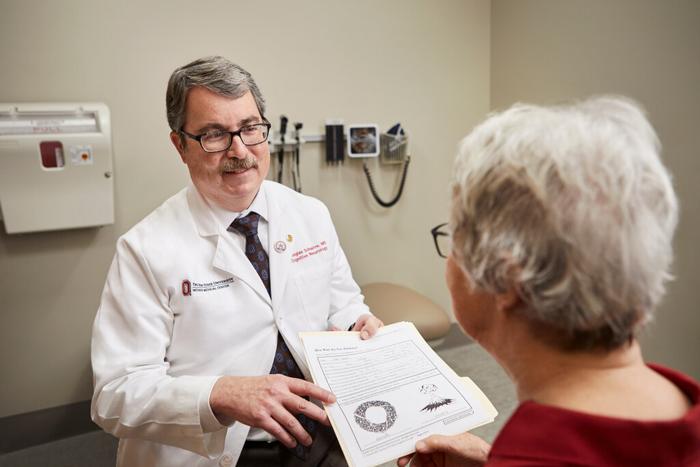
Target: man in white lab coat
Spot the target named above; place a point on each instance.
(190, 322)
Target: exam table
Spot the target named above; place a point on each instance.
(392, 303)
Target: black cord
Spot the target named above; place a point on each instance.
(294, 182)
(298, 172)
(280, 152)
(297, 149)
(387, 204)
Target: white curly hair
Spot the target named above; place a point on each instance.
(571, 207)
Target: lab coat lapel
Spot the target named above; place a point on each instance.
(279, 249)
(227, 257)
(230, 258)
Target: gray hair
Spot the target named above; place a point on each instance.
(571, 207)
(215, 73)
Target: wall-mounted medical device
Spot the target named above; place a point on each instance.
(363, 140)
(283, 146)
(360, 141)
(335, 141)
(394, 150)
(55, 166)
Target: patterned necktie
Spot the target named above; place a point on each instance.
(284, 363)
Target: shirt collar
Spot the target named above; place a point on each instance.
(225, 217)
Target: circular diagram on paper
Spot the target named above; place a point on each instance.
(369, 417)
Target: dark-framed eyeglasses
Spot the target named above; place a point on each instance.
(216, 140)
(443, 239)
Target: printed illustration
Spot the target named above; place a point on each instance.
(368, 422)
(436, 401)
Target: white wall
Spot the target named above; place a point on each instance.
(425, 64)
(546, 51)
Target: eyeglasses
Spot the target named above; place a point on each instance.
(442, 239)
(220, 140)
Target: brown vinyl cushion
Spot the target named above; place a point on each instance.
(392, 303)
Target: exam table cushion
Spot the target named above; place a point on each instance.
(393, 303)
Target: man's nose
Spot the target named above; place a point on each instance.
(237, 148)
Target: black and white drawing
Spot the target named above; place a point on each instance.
(366, 422)
(436, 401)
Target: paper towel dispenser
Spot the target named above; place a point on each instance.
(55, 166)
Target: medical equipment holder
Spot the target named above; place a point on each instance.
(394, 148)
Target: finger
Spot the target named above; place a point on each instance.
(464, 445)
(370, 327)
(421, 461)
(360, 324)
(297, 405)
(290, 424)
(404, 460)
(304, 388)
(276, 430)
(434, 443)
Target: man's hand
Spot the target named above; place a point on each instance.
(269, 402)
(367, 325)
(448, 451)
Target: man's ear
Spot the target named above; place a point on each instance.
(177, 142)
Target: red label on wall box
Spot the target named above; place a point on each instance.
(186, 288)
(51, 154)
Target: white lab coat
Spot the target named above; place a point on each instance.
(157, 351)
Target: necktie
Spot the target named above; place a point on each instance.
(283, 363)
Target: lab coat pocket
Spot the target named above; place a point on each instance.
(314, 287)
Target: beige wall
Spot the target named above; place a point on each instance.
(546, 51)
(425, 64)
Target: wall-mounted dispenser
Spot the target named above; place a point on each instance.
(55, 166)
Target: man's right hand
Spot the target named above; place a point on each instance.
(269, 402)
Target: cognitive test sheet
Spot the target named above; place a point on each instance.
(392, 390)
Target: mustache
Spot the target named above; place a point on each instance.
(231, 165)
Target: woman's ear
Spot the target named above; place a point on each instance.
(508, 300)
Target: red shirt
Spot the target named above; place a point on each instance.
(543, 435)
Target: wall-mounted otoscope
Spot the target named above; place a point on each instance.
(282, 148)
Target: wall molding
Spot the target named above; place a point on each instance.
(42, 426)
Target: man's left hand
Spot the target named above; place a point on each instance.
(367, 325)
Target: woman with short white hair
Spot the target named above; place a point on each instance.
(562, 221)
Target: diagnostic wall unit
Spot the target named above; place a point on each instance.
(55, 166)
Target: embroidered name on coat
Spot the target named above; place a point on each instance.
(310, 251)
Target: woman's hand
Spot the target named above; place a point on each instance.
(448, 451)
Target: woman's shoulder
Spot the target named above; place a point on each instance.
(550, 435)
(687, 385)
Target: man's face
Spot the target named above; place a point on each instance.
(230, 178)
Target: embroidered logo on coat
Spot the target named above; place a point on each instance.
(188, 288)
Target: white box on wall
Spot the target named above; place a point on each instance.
(55, 166)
